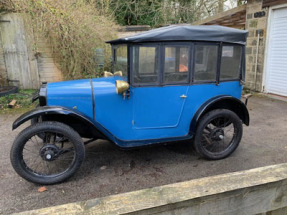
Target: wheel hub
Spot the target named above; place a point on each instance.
(217, 134)
(49, 152)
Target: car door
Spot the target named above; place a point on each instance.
(159, 89)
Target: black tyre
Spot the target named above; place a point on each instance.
(218, 134)
(47, 153)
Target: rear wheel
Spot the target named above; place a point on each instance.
(47, 153)
(218, 134)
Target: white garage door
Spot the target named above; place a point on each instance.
(276, 78)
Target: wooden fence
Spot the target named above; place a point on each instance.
(3, 71)
(24, 61)
(256, 191)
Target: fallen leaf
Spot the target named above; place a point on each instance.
(42, 189)
(103, 167)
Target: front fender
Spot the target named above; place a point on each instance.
(40, 111)
(83, 121)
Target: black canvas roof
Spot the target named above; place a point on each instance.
(188, 33)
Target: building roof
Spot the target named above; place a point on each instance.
(187, 33)
(234, 18)
(269, 3)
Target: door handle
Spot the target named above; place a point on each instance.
(183, 96)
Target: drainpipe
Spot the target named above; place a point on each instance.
(256, 60)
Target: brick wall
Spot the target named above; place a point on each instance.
(256, 23)
(48, 69)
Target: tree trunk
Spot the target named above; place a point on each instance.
(220, 6)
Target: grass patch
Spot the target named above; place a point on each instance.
(247, 91)
(24, 102)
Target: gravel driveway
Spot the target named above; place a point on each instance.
(109, 170)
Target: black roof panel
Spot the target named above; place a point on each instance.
(188, 33)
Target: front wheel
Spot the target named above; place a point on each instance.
(218, 134)
(47, 153)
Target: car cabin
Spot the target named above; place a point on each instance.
(178, 55)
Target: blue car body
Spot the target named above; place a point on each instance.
(153, 117)
(149, 113)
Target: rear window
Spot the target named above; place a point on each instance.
(230, 62)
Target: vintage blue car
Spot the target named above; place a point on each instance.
(168, 84)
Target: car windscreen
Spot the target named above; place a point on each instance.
(120, 59)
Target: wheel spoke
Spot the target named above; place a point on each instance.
(35, 153)
(37, 140)
(207, 139)
(47, 167)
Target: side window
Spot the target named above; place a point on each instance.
(176, 64)
(121, 59)
(145, 65)
(205, 67)
(230, 62)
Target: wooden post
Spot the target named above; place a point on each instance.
(220, 6)
(12, 103)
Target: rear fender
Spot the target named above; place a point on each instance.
(221, 102)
